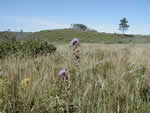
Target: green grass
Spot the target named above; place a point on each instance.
(63, 36)
(109, 79)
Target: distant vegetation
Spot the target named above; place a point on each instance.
(82, 27)
(62, 36)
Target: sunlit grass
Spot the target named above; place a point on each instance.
(113, 79)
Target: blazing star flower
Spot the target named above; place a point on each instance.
(75, 41)
(62, 72)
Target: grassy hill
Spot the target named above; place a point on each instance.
(12, 36)
(65, 35)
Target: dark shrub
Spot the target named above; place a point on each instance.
(128, 35)
(26, 47)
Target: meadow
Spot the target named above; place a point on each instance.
(108, 79)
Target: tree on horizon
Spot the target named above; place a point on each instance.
(123, 26)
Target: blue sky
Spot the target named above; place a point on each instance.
(102, 15)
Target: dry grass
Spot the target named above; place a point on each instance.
(112, 79)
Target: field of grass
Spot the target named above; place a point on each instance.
(109, 79)
(63, 36)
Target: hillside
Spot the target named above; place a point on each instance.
(12, 36)
(65, 35)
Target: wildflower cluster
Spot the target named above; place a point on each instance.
(75, 43)
(24, 83)
(64, 75)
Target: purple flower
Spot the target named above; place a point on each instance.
(75, 41)
(62, 72)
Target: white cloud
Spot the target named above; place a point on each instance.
(29, 23)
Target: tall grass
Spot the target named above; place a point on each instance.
(113, 79)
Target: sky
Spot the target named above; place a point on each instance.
(102, 15)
